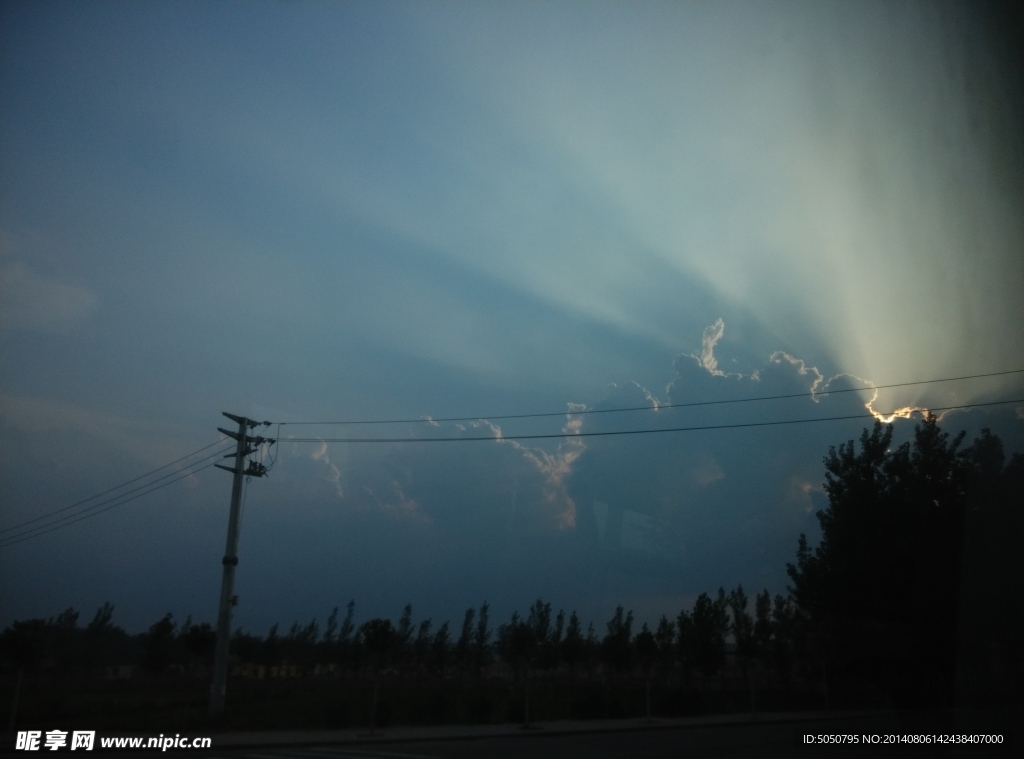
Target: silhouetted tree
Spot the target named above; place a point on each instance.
(517, 646)
(709, 626)
(23, 646)
(380, 639)
(24, 643)
(572, 651)
(198, 642)
(330, 635)
(421, 647)
(784, 624)
(347, 645)
(745, 640)
(101, 637)
(464, 646)
(547, 638)
(272, 647)
(403, 636)
(617, 644)
(300, 645)
(246, 646)
(665, 637)
(883, 590)
(573, 645)
(646, 647)
(160, 644)
(440, 648)
(482, 638)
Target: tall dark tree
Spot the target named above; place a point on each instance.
(440, 648)
(464, 645)
(617, 646)
(403, 637)
(198, 643)
(380, 639)
(883, 589)
(646, 647)
(421, 646)
(517, 646)
(709, 625)
(482, 638)
(573, 644)
(101, 637)
(160, 643)
(347, 643)
(665, 637)
(743, 626)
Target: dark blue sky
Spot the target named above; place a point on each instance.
(319, 211)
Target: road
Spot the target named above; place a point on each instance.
(761, 740)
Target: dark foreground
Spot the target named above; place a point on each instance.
(767, 736)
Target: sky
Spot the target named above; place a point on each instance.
(364, 211)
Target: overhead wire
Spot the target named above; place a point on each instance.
(44, 529)
(658, 407)
(190, 469)
(116, 487)
(113, 502)
(608, 433)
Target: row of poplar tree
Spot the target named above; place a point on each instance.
(909, 591)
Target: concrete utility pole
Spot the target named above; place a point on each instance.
(227, 600)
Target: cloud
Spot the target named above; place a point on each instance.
(555, 467)
(709, 340)
(396, 503)
(320, 454)
(33, 301)
(707, 472)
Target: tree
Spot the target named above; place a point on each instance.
(743, 635)
(198, 641)
(882, 589)
(571, 651)
(403, 635)
(573, 644)
(665, 637)
(421, 647)
(331, 631)
(617, 644)
(440, 648)
(646, 647)
(784, 626)
(347, 645)
(464, 646)
(482, 638)
(517, 645)
(160, 643)
(100, 636)
(23, 644)
(709, 624)
(380, 639)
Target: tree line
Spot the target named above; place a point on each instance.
(908, 597)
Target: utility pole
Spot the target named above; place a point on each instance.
(230, 561)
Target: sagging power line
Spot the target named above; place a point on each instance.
(108, 504)
(118, 487)
(724, 401)
(695, 428)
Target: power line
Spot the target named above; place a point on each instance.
(116, 487)
(422, 420)
(115, 501)
(43, 529)
(739, 425)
